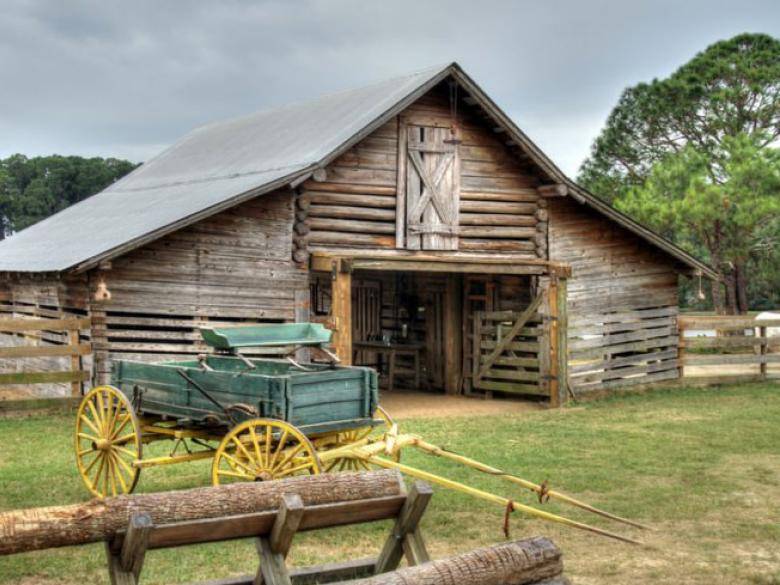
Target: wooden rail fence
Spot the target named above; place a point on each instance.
(738, 341)
(74, 347)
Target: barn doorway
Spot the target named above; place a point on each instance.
(458, 327)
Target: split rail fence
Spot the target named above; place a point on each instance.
(51, 338)
(742, 343)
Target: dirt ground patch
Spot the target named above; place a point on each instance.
(409, 404)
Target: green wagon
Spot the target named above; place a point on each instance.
(258, 419)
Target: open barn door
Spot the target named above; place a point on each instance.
(509, 350)
(432, 187)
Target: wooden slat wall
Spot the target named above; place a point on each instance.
(622, 301)
(40, 297)
(235, 267)
(355, 206)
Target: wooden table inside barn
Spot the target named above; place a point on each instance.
(391, 351)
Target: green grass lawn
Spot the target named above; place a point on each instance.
(701, 466)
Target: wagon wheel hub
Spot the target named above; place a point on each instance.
(263, 476)
(103, 444)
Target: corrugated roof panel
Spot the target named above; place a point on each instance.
(212, 165)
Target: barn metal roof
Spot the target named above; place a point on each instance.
(225, 163)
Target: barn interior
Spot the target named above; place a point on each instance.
(422, 330)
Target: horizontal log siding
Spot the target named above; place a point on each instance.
(355, 205)
(622, 301)
(233, 268)
(40, 297)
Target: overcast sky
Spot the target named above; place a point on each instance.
(126, 79)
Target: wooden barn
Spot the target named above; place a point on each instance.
(412, 216)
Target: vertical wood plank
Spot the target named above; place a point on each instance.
(76, 363)
(341, 308)
(400, 194)
(453, 312)
(413, 187)
(562, 341)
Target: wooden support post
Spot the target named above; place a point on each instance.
(558, 363)
(453, 313)
(341, 310)
(286, 524)
(302, 310)
(273, 549)
(125, 567)
(563, 336)
(405, 537)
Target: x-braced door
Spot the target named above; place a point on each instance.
(432, 188)
(510, 346)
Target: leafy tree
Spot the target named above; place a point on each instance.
(31, 189)
(685, 136)
(735, 219)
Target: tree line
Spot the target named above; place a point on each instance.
(695, 156)
(33, 188)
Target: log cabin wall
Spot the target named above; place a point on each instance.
(235, 267)
(354, 204)
(42, 296)
(622, 301)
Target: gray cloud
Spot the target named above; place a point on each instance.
(126, 79)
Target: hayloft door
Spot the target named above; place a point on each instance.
(430, 176)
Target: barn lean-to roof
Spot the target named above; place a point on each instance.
(220, 165)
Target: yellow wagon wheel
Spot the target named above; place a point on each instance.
(108, 442)
(261, 450)
(343, 438)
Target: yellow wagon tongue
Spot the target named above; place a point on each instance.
(391, 443)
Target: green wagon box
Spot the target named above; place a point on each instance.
(255, 408)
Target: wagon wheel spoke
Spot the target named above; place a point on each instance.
(127, 419)
(297, 449)
(119, 475)
(237, 463)
(236, 474)
(279, 448)
(124, 439)
(267, 458)
(243, 448)
(90, 424)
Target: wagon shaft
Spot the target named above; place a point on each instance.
(376, 452)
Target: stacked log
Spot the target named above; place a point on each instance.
(522, 562)
(300, 253)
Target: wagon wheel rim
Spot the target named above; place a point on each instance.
(107, 442)
(263, 450)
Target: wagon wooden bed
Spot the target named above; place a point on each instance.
(263, 419)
